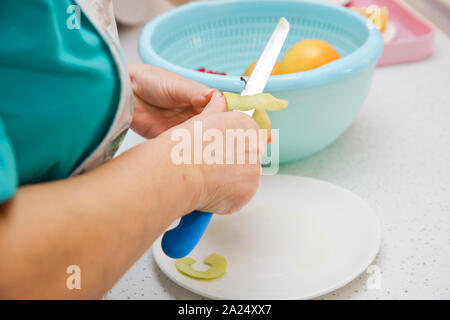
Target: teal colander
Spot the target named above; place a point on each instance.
(226, 36)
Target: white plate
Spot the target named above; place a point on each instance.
(298, 238)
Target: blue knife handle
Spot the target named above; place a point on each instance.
(179, 241)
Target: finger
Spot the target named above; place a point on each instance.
(216, 104)
(166, 89)
(184, 91)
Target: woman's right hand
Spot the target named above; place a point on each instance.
(222, 188)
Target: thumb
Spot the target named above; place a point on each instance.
(218, 103)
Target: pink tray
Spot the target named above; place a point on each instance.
(414, 38)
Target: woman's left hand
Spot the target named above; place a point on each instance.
(163, 99)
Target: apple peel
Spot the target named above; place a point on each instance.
(261, 101)
(217, 263)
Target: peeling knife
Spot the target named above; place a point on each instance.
(179, 241)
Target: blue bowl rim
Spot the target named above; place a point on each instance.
(362, 58)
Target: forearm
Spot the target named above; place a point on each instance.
(101, 221)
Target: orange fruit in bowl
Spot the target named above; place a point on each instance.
(275, 70)
(306, 55)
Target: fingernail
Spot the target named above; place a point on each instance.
(217, 94)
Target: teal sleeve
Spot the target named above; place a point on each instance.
(59, 88)
(8, 173)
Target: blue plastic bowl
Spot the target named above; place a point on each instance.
(226, 36)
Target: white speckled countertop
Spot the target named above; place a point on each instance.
(396, 156)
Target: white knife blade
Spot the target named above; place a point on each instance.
(263, 68)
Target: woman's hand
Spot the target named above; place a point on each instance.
(226, 187)
(163, 99)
